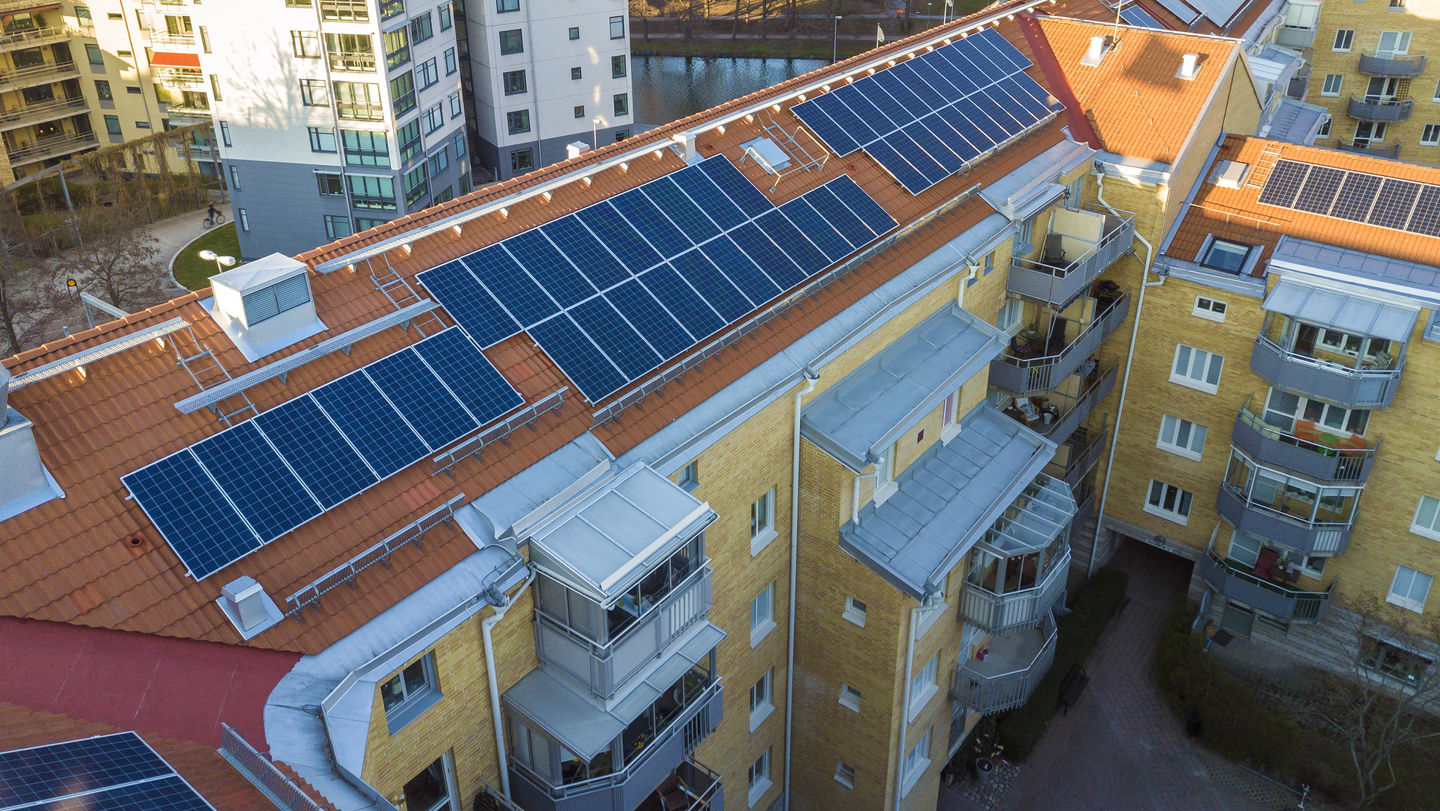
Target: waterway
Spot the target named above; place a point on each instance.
(671, 87)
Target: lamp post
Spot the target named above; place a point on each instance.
(595, 132)
(835, 40)
(221, 262)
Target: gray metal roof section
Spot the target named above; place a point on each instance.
(882, 399)
(582, 723)
(946, 500)
(604, 540)
(1032, 186)
(1397, 276)
(1296, 121)
(1331, 308)
(535, 488)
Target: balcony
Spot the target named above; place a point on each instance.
(37, 74)
(41, 112)
(1077, 455)
(1310, 450)
(1371, 384)
(1279, 520)
(35, 37)
(1404, 66)
(1391, 151)
(604, 667)
(1022, 608)
(1006, 677)
(1080, 245)
(1374, 108)
(1021, 371)
(693, 787)
(174, 41)
(183, 79)
(352, 61)
(1277, 599)
(1058, 414)
(52, 148)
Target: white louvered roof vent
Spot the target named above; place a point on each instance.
(265, 305)
(1229, 174)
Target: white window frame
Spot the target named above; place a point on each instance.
(762, 522)
(1180, 497)
(849, 697)
(762, 615)
(1325, 84)
(1324, 131)
(1430, 135)
(1407, 600)
(844, 774)
(970, 636)
(1402, 39)
(933, 608)
(1348, 34)
(950, 418)
(1011, 315)
(690, 476)
(885, 485)
(917, 760)
(761, 708)
(1426, 522)
(923, 687)
(1173, 429)
(855, 611)
(1206, 360)
(447, 769)
(1210, 309)
(758, 777)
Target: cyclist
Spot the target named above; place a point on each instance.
(212, 214)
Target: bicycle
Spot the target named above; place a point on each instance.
(212, 221)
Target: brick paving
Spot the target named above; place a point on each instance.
(1120, 747)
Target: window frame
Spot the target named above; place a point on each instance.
(917, 760)
(758, 777)
(331, 220)
(1182, 377)
(1181, 498)
(762, 614)
(1229, 248)
(1430, 135)
(331, 180)
(309, 96)
(318, 136)
(512, 41)
(1325, 89)
(1408, 601)
(762, 706)
(506, 6)
(617, 27)
(427, 74)
(690, 476)
(762, 521)
(1431, 529)
(620, 102)
(1174, 426)
(1348, 34)
(619, 66)
(849, 697)
(508, 84)
(411, 705)
(924, 684)
(855, 611)
(844, 774)
(1205, 308)
(517, 122)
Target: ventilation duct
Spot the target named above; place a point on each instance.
(24, 481)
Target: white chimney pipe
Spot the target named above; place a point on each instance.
(1099, 44)
(1189, 66)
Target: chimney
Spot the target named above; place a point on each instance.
(247, 605)
(1189, 67)
(575, 149)
(1099, 46)
(24, 481)
(685, 142)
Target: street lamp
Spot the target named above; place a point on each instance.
(595, 132)
(221, 262)
(834, 40)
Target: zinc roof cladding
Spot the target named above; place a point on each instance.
(1237, 214)
(1137, 105)
(67, 561)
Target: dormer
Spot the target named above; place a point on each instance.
(265, 305)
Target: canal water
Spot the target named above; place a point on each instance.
(671, 87)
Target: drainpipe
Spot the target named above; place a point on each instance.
(485, 626)
(811, 378)
(905, 708)
(1129, 361)
(855, 497)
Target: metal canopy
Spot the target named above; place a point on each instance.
(1347, 313)
(604, 542)
(1035, 519)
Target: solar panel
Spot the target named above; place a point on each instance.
(1402, 205)
(673, 200)
(472, 306)
(578, 357)
(1356, 196)
(682, 300)
(1425, 219)
(665, 334)
(1139, 17)
(714, 285)
(652, 224)
(549, 268)
(1317, 193)
(1393, 203)
(1283, 184)
(119, 772)
(500, 274)
(229, 494)
(817, 229)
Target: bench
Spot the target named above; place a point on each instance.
(1071, 687)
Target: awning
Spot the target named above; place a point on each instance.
(1343, 312)
(173, 59)
(605, 541)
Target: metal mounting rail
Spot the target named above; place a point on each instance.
(678, 369)
(499, 432)
(91, 354)
(203, 363)
(280, 368)
(380, 553)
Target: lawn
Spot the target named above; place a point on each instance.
(194, 272)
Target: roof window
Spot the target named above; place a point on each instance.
(1225, 256)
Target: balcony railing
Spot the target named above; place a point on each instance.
(37, 74)
(353, 61)
(1320, 457)
(603, 668)
(1371, 108)
(1401, 65)
(1085, 449)
(1308, 537)
(41, 111)
(1008, 674)
(1032, 375)
(1343, 385)
(1026, 608)
(1381, 150)
(52, 147)
(180, 78)
(1074, 410)
(1276, 599)
(173, 42)
(1058, 282)
(34, 37)
(625, 789)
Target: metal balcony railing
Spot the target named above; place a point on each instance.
(1400, 65)
(52, 147)
(1073, 409)
(169, 41)
(37, 74)
(180, 78)
(1319, 458)
(1265, 521)
(34, 37)
(1379, 150)
(1343, 385)
(1059, 284)
(1231, 580)
(1025, 608)
(41, 111)
(1373, 108)
(1086, 447)
(1036, 374)
(1008, 674)
(353, 61)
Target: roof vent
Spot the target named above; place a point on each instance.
(24, 481)
(1229, 174)
(247, 605)
(575, 149)
(685, 143)
(265, 305)
(1099, 46)
(1189, 67)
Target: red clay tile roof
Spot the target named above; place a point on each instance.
(1237, 214)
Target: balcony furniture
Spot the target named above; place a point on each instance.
(673, 794)
(1054, 250)
(1275, 597)
(1265, 563)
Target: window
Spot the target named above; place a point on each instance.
(1169, 502)
(415, 186)
(1286, 411)
(337, 226)
(1181, 437)
(215, 87)
(439, 162)
(1369, 133)
(760, 704)
(268, 302)
(366, 223)
(617, 66)
(617, 27)
(1324, 131)
(522, 160)
(365, 148)
(431, 789)
(917, 760)
(575, 74)
(112, 124)
(759, 777)
(844, 774)
(456, 107)
(1225, 256)
(420, 28)
(244, 219)
(574, 32)
(849, 697)
(1430, 136)
(330, 185)
(513, 81)
(1436, 97)
(297, 4)
(506, 6)
(1409, 589)
(622, 104)
(402, 94)
(102, 89)
(1427, 518)
(428, 73)
(313, 93)
(923, 686)
(409, 138)
(517, 121)
(1332, 84)
(234, 177)
(142, 125)
(450, 64)
(1393, 43)
(690, 476)
(1392, 661)
(1209, 308)
(762, 614)
(512, 41)
(376, 193)
(306, 44)
(460, 147)
(434, 118)
(762, 521)
(397, 48)
(447, 17)
(344, 10)
(885, 477)
(1197, 368)
(1008, 318)
(1397, 4)
(950, 417)
(854, 611)
(1025, 237)
(391, 8)
(225, 132)
(1344, 38)
(322, 139)
(1245, 550)
(94, 54)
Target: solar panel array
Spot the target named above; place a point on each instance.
(1388, 202)
(117, 772)
(1133, 14)
(614, 290)
(229, 494)
(929, 117)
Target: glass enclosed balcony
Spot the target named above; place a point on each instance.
(1054, 345)
(1079, 246)
(1016, 573)
(1308, 445)
(1352, 365)
(1004, 673)
(1292, 511)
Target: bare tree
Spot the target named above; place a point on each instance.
(119, 256)
(31, 297)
